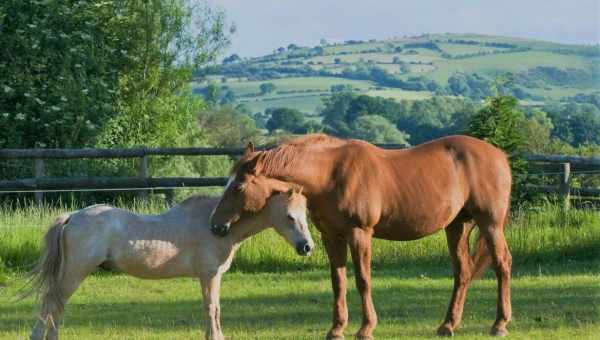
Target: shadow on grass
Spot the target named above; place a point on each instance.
(399, 304)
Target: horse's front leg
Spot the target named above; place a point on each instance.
(337, 251)
(211, 284)
(360, 247)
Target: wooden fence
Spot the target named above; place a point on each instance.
(143, 182)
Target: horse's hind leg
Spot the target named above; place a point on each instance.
(493, 232)
(457, 234)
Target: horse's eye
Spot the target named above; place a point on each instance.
(290, 217)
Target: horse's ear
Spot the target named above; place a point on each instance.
(249, 149)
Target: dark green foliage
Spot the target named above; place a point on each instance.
(575, 123)
(67, 68)
(423, 120)
(286, 119)
(377, 129)
(266, 88)
(499, 123)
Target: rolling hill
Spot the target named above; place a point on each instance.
(410, 68)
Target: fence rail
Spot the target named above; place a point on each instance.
(143, 182)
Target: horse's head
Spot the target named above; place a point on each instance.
(246, 192)
(287, 212)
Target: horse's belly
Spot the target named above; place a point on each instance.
(153, 259)
(403, 233)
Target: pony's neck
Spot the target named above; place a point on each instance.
(248, 227)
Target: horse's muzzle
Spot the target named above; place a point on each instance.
(220, 230)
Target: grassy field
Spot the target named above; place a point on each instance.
(272, 293)
(297, 305)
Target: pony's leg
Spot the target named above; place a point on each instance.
(210, 299)
(360, 247)
(457, 234)
(69, 284)
(493, 233)
(337, 251)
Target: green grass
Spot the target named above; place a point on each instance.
(297, 305)
(272, 293)
(536, 236)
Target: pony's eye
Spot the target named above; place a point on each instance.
(290, 217)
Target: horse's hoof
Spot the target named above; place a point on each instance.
(334, 336)
(502, 332)
(364, 337)
(445, 330)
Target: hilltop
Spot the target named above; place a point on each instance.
(411, 68)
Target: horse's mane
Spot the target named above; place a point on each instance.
(290, 154)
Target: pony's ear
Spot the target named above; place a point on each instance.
(249, 149)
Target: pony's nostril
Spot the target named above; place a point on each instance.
(303, 248)
(219, 229)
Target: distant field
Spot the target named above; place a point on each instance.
(305, 103)
(508, 62)
(306, 93)
(295, 84)
(458, 49)
(399, 94)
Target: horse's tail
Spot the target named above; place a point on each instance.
(46, 277)
(482, 258)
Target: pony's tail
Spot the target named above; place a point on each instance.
(482, 258)
(46, 277)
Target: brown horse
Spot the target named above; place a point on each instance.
(357, 191)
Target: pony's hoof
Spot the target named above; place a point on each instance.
(445, 330)
(501, 332)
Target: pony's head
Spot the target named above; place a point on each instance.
(246, 192)
(287, 212)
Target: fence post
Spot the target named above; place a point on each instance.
(565, 185)
(143, 173)
(38, 172)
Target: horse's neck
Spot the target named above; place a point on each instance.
(308, 174)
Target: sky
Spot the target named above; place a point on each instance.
(264, 25)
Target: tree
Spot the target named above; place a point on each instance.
(287, 119)
(212, 94)
(292, 47)
(377, 129)
(234, 58)
(68, 68)
(500, 123)
(323, 42)
(226, 126)
(266, 88)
